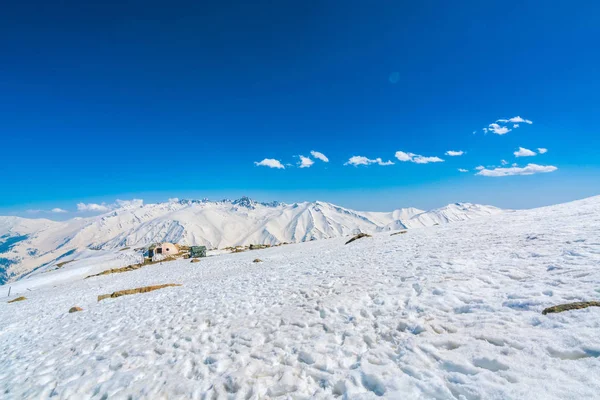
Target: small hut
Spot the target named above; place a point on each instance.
(197, 251)
(166, 249)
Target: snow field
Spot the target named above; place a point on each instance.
(446, 312)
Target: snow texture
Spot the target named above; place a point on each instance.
(444, 312)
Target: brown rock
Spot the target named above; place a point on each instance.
(195, 260)
(256, 260)
(75, 309)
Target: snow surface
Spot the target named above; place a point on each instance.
(212, 224)
(445, 312)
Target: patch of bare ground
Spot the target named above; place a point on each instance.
(17, 299)
(61, 264)
(571, 306)
(359, 236)
(398, 233)
(127, 292)
(132, 267)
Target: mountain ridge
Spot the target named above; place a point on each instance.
(215, 224)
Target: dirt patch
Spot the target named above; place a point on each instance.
(18, 299)
(127, 292)
(257, 260)
(571, 306)
(117, 270)
(132, 267)
(61, 264)
(195, 260)
(75, 309)
(359, 236)
(398, 233)
(125, 248)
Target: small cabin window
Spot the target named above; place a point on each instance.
(159, 250)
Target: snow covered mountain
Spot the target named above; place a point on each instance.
(27, 244)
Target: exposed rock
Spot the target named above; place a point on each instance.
(359, 236)
(257, 260)
(570, 306)
(75, 309)
(398, 233)
(259, 246)
(18, 299)
(195, 260)
(144, 289)
(117, 270)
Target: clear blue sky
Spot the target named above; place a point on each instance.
(144, 99)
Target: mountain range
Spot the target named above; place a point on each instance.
(28, 244)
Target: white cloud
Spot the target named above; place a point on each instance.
(270, 162)
(402, 156)
(416, 158)
(530, 169)
(93, 207)
(499, 130)
(453, 153)
(305, 162)
(519, 119)
(128, 203)
(523, 152)
(360, 160)
(542, 150)
(463, 170)
(480, 167)
(54, 210)
(426, 160)
(504, 162)
(174, 200)
(319, 156)
(500, 127)
(104, 207)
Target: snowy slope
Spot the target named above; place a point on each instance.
(445, 312)
(45, 243)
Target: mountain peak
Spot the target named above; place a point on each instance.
(245, 201)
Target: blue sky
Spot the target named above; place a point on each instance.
(152, 100)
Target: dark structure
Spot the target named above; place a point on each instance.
(197, 251)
